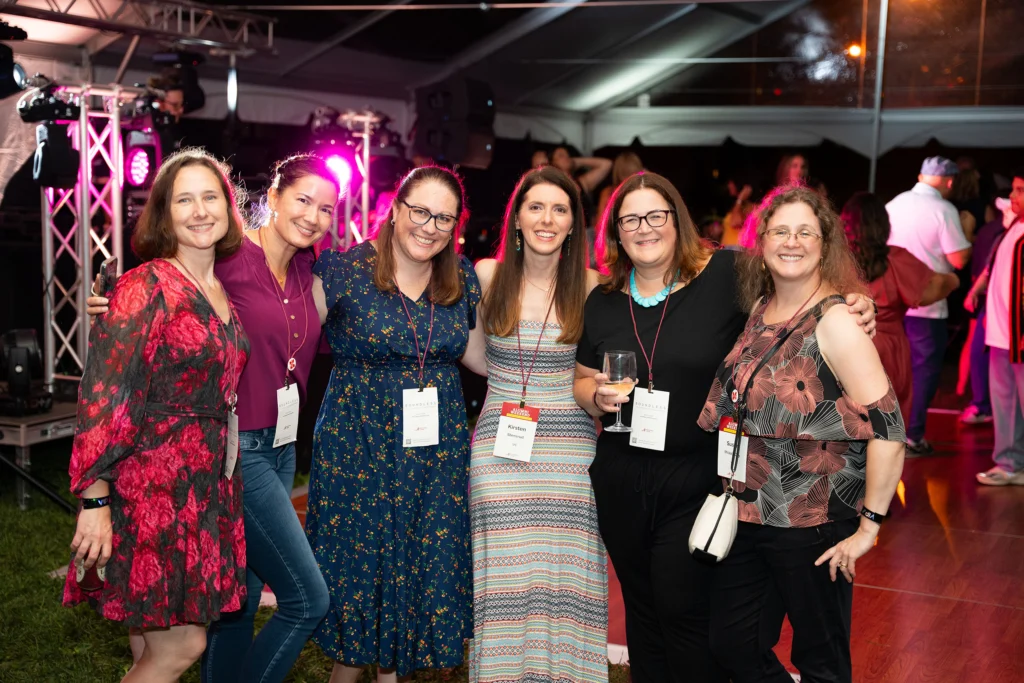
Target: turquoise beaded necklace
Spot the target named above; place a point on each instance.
(649, 301)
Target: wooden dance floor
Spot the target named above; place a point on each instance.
(941, 599)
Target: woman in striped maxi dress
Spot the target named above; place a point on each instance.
(540, 598)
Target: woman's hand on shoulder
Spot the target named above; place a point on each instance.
(863, 307)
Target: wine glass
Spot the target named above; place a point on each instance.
(620, 366)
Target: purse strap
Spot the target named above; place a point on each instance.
(741, 404)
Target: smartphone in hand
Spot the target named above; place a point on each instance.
(106, 278)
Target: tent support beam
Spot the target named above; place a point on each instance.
(876, 125)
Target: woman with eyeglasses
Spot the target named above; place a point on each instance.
(388, 515)
(670, 299)
(824, 439)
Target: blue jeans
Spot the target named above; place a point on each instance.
(927, 337)
(277, 553)
(979, 367)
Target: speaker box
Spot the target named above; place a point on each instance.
(457, 99)
(455, 142)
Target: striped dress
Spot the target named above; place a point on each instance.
(540, 581)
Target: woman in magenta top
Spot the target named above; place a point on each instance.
(898, 281)
(271, 285)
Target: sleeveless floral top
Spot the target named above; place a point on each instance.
(808, 438)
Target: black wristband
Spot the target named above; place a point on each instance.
(873, 516)
(93, 503)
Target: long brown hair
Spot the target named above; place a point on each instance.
(867, 229)
(502, 302)
(153, 236)
(838, 267)
(691, 251)
(446, 277)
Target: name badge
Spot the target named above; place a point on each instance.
(726, 441)
(287, 428)
(517, 428)
(650, 419)
(419, 417)
(232, 454)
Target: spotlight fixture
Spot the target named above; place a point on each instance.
(141, 157)
(12, 76)
(46, 103)
(8, 32)
(56, 162)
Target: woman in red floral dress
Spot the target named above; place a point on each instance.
(162, 498)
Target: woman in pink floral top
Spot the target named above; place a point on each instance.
(825, 449)
(162, 497)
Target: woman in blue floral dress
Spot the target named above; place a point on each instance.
(389, 524)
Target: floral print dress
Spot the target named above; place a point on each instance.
(389, 525)
(808, 439)
(152, 420)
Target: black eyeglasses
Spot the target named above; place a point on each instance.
(656, 219)
(420, 216)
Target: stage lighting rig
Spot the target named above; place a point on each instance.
(179, 72)
(12, 76)
(46, 102)
(8, 32)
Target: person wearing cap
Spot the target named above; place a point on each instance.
(1000, 287)
(927, 225)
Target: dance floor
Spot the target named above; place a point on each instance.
(941, 598)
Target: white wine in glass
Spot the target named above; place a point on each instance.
(620, 366)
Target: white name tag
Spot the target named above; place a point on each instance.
(419, 417)
(517, 428)
(287, 428)
(232, 454)
(726, 440)
(650, 419)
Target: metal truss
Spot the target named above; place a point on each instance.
(182, 22)
(81, 228)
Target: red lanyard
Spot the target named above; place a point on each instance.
(281, 298)
(747, 339)
(519, 343)
(650, 360)
(421, 359)
(233, 397)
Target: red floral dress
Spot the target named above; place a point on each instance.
(808, 439)
(152, 420)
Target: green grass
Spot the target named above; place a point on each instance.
(42, 641)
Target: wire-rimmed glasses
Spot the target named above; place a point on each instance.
(782, 235)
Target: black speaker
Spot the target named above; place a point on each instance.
(458, 99)
(455, 122)
(56, 162)
(456, 143)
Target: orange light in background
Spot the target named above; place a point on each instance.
(854, 50)
(901, 491)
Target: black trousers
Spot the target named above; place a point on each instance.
(769, 574)
(646, 506)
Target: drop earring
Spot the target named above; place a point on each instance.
(519, 243)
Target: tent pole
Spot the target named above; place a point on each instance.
(876, 130)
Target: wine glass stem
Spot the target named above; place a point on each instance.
(618, 417)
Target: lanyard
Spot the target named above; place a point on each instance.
(747, 338)
(421, 359)
(650, 360)
(524, 373)
(281, 298)
(233, 397)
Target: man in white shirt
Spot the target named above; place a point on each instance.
(1002, 285)
(928, 226)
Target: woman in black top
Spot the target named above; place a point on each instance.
(658, 273)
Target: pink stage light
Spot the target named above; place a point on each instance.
(341, 169)
(138, 166)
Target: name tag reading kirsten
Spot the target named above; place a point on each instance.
(726, 443)
(517, 428)
(650, 419)
(419, 417)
